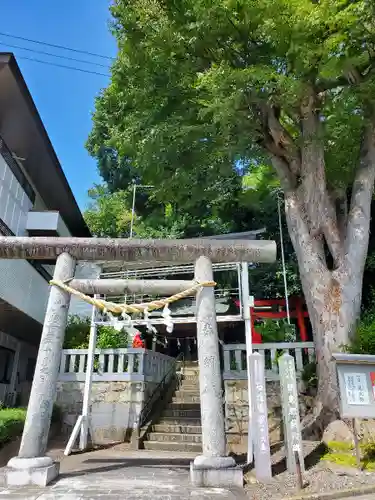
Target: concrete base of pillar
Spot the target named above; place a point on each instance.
(38, 471)
(216, 477)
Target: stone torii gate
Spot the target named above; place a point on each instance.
(213, 467)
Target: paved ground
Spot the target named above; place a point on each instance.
(118, 474)
(367, 497)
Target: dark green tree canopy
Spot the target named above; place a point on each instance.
(195, 87)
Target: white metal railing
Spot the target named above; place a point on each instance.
(235, 363)
(111, 365)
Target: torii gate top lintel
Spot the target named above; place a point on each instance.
(184, 251)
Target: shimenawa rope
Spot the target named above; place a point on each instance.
(105, 305)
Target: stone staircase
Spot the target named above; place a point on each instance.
(179, 427)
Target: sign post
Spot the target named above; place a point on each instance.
(356, 377)
(291, 417)
(262, 453)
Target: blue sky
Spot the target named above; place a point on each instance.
(64, 98)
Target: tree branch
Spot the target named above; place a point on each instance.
(353, 76)
(331, 232)
(287, 179)
(283, 140)
(309, 249)
(357, 234)
(279, 144)
(319, 206)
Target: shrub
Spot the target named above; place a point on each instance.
(11, 423)
(364, 338)
(78, 332)
(109, 337)
(276, 331)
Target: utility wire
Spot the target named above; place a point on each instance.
(53, 55)
(63, 66)
(57, 46)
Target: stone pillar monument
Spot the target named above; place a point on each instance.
(213, 468)
(262, 453)
(31, 466)
(291, 417)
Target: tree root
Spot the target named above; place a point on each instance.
(315, 423)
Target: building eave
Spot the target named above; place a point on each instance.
(24, 133)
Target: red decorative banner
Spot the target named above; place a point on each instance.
(372, 377)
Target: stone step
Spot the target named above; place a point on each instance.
(189, 387)
(193, 414)
(190, 370)
(177, 428)
(185, 406)
(174, 437)
(190, 378)
(181, 421)
(168, 446)
(192, 366)
(188, 390)
(186, 397)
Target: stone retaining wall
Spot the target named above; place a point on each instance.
(115, 407)
(237, 413)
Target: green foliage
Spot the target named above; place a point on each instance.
(108, 337)
(108, 214)
(363, 341)
(276, 331)
(344, 454)
(78, 331)
(11, 423)
(369, 452)
(182, 107)
(309, 375)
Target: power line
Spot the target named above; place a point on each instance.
(57, 46)
(63, 66)
(53, 55)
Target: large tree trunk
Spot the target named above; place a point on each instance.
(330, 242)
(333, 298)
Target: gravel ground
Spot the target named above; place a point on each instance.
(319, 477)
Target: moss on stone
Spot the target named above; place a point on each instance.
(344, 454)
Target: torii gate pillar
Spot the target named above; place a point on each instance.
(214, 468)
(31, 466)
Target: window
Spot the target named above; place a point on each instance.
(6, 365)
(30, 369)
